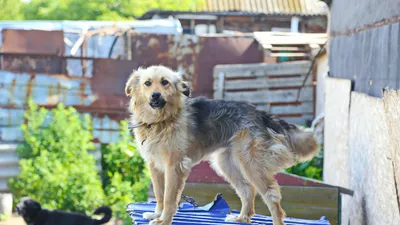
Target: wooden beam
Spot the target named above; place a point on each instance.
(262, 69)
(271, 96)
(263, 83)
(219, 94)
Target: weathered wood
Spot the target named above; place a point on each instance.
(290, 54)
(262, 82)
(288, 48)
(262, 69)
(287, 40)
(303, 120)
(304, 107)
(291, 34)
(271, 96)
(219, 93)
(300, 202)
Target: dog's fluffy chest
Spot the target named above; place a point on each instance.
(158, 141)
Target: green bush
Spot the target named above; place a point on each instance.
(56, 167)
(311, 169)
(126, 179)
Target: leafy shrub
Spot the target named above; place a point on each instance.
(56, 168)
(126, 179)
(3, 217)
(310, 169)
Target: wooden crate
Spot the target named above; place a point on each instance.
(270, 87)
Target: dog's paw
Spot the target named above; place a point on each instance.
(151, 216)
(235, 218)
(159, 222)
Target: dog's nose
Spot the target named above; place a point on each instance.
(155, 95)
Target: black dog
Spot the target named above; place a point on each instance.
(33, 214)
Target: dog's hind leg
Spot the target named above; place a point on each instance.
(268, 188)
(225, 166)
(259, 161)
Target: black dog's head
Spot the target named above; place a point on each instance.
(28, 209)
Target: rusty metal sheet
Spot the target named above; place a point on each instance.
(33, 63)
(175, 51)
(218, 51)
(33, 41)
(79, 67)
(111, 75)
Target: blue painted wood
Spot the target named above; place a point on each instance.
(213, 213)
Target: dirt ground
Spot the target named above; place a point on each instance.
(13, 220)
(16, 220)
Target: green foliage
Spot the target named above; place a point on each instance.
(3, 217)
(310, 169)
(56, 167)
(90, 9)
(11, 10)
(126, 179)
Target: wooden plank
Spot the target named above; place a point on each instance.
(219, 93)
(288, 48)
(263, 83)
(271, 96)
(299, 40)
(303, 120)
(301, 202)
(290, 34)
(262, 69)
(290, 54)
(305, 107)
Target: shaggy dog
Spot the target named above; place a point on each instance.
(245, 146)
(33, 214)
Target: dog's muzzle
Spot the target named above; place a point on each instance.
(19, 212)
(156, 101)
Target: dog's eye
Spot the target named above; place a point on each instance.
(147, 83)
(164, 82)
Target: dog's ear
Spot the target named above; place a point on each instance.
(184, 87)
(133, 80)
(36, 205)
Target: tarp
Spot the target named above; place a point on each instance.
(212, 213)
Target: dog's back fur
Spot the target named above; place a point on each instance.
(33, 214)
(217, 121)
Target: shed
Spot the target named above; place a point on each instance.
(218, 16)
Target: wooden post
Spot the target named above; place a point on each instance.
(220, 90)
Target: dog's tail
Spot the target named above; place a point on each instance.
(107, 214)
(306, 142)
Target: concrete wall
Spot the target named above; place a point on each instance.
(361, 152)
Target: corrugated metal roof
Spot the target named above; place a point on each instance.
(269, 7)
(212, 213)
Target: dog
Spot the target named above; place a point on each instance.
(175, 132)
(33, 214)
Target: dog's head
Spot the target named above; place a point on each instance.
(28, 209)
(156, 93)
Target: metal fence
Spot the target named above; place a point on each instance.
(46, 71)
(9, 166)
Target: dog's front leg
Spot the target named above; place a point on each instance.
(157, 179)
(175, 177)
